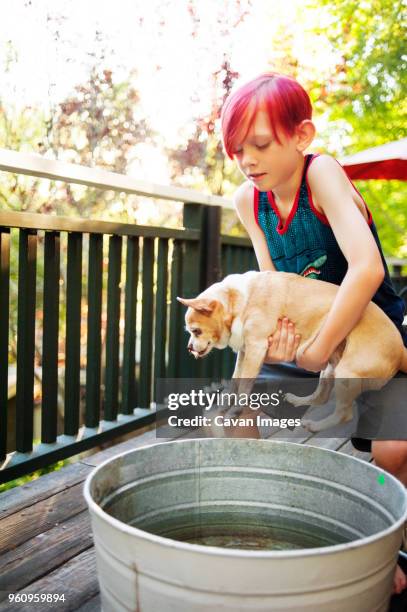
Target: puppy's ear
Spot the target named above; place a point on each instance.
(200, 304)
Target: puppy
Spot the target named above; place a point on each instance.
(243, 310)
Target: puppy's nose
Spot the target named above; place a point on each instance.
(190, 347)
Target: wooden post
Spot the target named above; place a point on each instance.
(193, 270)
(212, 245)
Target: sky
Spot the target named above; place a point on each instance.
(55, 46)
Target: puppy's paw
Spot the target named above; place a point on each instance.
(309, 425)
(294, 400)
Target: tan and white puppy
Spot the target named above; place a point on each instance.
(243, 310)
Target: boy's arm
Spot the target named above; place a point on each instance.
(334, 194)
(243, 200)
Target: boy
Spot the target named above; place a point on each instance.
(304, 215)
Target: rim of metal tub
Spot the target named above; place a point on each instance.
(238, 553)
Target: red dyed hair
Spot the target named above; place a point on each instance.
(284, 99)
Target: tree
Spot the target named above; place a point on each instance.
(98, 126)
(366, 94)
(203, 149)
(367, 88)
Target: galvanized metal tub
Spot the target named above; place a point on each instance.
(174, 487)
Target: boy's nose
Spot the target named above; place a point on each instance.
(249, 160)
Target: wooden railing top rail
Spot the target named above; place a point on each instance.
(36, 165)
(37, 221)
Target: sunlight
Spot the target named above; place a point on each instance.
(141, 35)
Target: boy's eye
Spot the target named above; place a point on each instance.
(238, 151)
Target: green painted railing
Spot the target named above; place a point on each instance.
(120, 326)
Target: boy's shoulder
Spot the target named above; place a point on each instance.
(325, 167)
(328, 181)
(324, 163)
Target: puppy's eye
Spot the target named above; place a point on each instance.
(196, 332)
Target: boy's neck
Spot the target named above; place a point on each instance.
(286, 192)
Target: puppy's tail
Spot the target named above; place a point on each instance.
(403, 364)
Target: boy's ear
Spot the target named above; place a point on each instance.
(305, 132)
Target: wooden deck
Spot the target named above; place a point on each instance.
(45, 534)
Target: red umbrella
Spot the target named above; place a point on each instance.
(388, 161)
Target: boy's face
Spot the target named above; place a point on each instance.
(262, 159)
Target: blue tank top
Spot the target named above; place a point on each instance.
(305, 244)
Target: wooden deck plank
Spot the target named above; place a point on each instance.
(92, 605)
(34, 491)
(44, 553)
(299, 435)
(76, 579)
(349, 449)
(38, 518)
(327, 443)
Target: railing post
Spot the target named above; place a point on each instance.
(94, 347)
(201, 266)
(27, 267)
(147, 317)
(192, 279)
(212, 365)
(194, 252)
(175, 326)
(129, 387)
(211, 240)
(49, 404)
(112, 331)
(4, 334)
(160, 333)
(73, 333)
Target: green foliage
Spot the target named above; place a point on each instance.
(368, 86)
(387, 202)
(364, 98)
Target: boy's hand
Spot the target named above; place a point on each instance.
(283, 344)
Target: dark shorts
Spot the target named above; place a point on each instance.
(362, 444)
